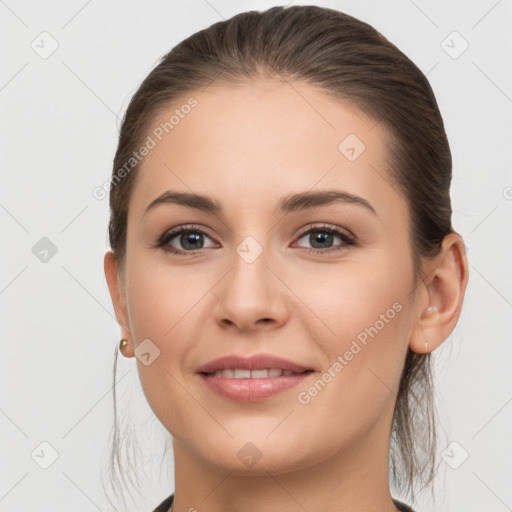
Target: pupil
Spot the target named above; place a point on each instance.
(189, 240)
(322, 237)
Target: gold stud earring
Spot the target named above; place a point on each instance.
(123, 344)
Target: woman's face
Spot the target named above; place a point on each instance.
(324, 284)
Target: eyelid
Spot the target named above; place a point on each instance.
(329, 227)
(171, 233)
(348, 238)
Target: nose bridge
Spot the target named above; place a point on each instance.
(249, 277)
(249, 292)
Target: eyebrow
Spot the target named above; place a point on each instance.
(291, 203)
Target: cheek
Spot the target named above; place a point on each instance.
(169, 306)
(160, 298)
(365, 312)
(161, 308)
(348, 297)
(359, 380)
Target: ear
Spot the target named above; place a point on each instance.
(445, 286)
(118, 295)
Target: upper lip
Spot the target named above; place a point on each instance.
(256, 362)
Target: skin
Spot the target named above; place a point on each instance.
(248, 145)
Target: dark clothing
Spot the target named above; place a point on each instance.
(402, 506)
(166, 505)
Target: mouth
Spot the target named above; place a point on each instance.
(251, 379)
(242, 373)
(252, 385)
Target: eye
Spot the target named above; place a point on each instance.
(190, 238)
(324, 235)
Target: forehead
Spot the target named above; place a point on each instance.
(254, 140)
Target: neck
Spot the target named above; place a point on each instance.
(355, 479)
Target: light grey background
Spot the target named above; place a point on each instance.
(59, 124)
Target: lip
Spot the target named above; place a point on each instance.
(253, 389)
(256, 362)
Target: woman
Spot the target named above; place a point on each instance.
(283, 262)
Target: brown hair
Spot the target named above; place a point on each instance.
(350, 60)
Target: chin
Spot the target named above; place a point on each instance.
(258, 457)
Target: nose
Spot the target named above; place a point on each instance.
(251, 296)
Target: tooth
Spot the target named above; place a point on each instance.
(255, 374)
(240, 373)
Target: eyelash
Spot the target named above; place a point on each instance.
(327, 228)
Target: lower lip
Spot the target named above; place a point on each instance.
(252, 390)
